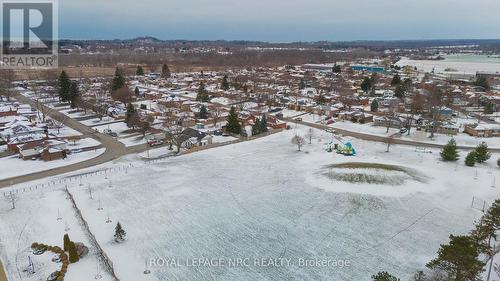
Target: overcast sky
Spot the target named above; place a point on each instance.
(280, 20)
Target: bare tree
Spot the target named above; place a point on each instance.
(11, 198)
(123, 95)
(174, 132)
(6, 79)
(57, 125)
(299, 141)
(310, 135)
(436, 101)
(216, 113)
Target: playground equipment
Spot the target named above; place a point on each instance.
(340, 147)
(347, 149)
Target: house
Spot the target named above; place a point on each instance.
(389, 121)
(275, 123)
(46, 150)
(19, 128)
(8, 110)
(193, 138)
(483, 130)
(443, 112)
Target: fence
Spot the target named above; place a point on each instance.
(67, 180)
(479, 204)
(103, 256)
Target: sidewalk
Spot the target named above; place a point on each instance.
(3, 276)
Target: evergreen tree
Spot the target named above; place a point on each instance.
(482, 82)
(118, 80)
(400, 91)
(119, 233)
(488, 108)
(459, 259)
(396, 80)
(482, 153)
(302, 85)
(64, 86)
(137, 92)
(72, 253)
(470, 160)
(202, 94)
(203, 114)
(487, 227)
(74, 94)
(139, 71)
(384, 276)
(366, 85)
(374, 106)
(66, 242)
(233, 124)
(498, 162)
(165, 71)
(130, 112)
(263, 124)
(449, 152)
(256, 127)
(225, 83)
(336, 69)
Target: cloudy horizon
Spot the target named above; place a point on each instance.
(280, 21)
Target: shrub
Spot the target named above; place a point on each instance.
(66, 241)
(73, 255)
(482, 153)
(449, 152)
(470, 160)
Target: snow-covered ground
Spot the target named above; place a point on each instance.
(263, 200)
(132, 140)
(12, 166)
(118, 128)
(35, 219)
(97, 121)
(469, 64)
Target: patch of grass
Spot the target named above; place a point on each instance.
(358, 172)
(363, 165)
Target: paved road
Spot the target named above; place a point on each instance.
(383, 139)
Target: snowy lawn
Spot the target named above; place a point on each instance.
(35, 219)
(264, 200)
(12, 166)
(97, 121)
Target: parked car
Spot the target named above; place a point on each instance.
(155, 142)
(218, 133)
(298, 119)
(110, 133)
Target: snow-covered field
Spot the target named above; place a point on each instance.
(469, 64)
(263, 200)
